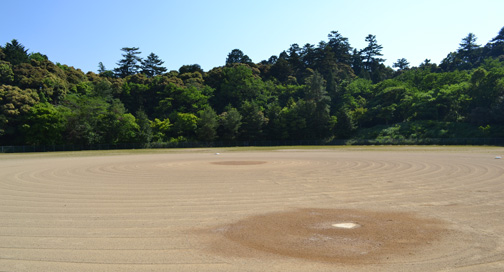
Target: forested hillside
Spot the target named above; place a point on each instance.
(325, 91)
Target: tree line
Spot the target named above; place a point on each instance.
(325, 91)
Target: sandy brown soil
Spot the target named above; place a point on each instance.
(314, 235)
(417, 209)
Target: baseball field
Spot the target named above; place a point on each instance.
(383, 208)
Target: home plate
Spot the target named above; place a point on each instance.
(346, 225)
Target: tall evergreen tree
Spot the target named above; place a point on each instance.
(340, 46)
(357, 65)
(101, 68)
(500, 36)
(15, 53)
(152, 66)
(401, 64)
(129, 65)
(371, 53)
(295, 60)
(103, 71)
(317, 107)
(308, 55)
(372, 63)
(495, 47)
(468, 43)
(468, 49)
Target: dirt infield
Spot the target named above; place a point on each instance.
(405, 209)
(314, 235)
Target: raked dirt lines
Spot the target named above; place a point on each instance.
(411, 208)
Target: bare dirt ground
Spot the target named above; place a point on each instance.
(411, 209)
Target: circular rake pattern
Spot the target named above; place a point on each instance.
(136, 212)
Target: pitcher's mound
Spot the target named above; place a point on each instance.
(328, 235)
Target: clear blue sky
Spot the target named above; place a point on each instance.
(84, 33)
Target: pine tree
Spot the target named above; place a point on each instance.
(468, 49)
(15, 53)
(129, 64)
(371, 52)
(401, 64)
(152, 66)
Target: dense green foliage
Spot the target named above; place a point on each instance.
(325, 91)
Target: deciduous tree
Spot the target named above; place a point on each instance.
(237, 56)
(253, 121)
(144, 134)
(207, 125)
(44, 124)
(230, 123)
